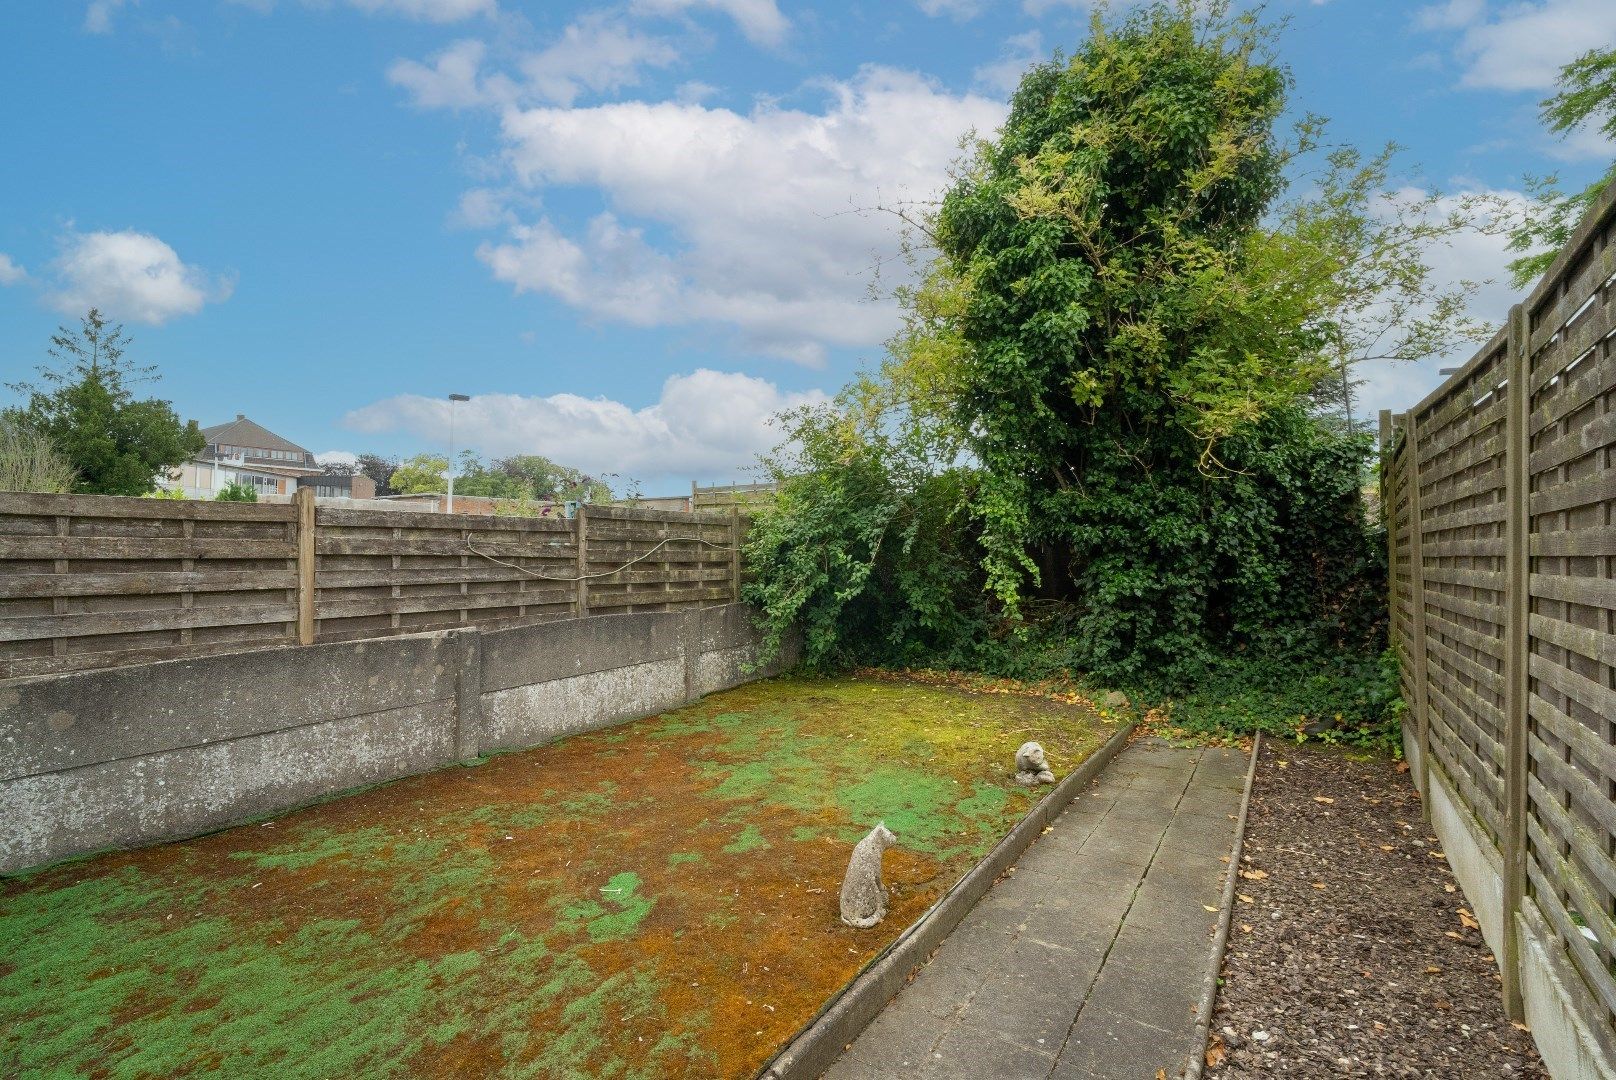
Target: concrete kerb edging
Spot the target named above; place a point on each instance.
(823, 1040)
(1220, 940)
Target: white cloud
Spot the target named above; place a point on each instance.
(451, 81)
(1586, 143)
(427, 10)
(436, 11)
(1450, 14)
(483, 208)
(98, 15)
(596, 53)
(1018, 54)
(1470, 256)
(1039, 8)
(337, 457)
(954, 9)
(706, 424)
(694, 91)
(1523, 45)
(10, 272)
(130, 275)
(761, 207)
(760, 20)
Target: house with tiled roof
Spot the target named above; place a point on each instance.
(242, 451)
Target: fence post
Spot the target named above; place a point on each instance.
(580, 602)
(303, 499)
(1517, 612)
(1388, 513)
(1416, 558)
(735, 554)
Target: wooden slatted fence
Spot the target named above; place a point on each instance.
(91, 581)
(1501, 496)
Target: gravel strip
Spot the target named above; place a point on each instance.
(1353, 951)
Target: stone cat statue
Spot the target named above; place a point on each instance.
(1031, 765)
(864, 898)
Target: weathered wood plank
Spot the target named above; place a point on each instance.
(143, 583)
(122, 506)
(116, 547)
(410, 520)
(92, 624)
(449, 602)
(660, 517)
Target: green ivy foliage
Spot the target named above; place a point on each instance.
(867, 549)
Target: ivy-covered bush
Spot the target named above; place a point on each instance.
(1094, 450)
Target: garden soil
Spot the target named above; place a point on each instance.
(654, 900)
(1353, 952)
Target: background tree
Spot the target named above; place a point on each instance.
(1586, 97)
(529, 477)
(1096, 444)
(30, 462)
(116, 444)
(423, 474)
(380, 470)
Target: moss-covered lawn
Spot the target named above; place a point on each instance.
(659, 899)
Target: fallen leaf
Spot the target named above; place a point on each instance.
(1254, 875)
(1402, 767)
(1518, 1026)
(1323, 799)
(1454, 934)
(1214, 1051)
(1209, 907)
(1387, 847)
(1245, 927)
(1433, 970)
(1282, 764)
(1319, 885)
(1450, 888)
(1436, 854)
(1468, 921)
(1244, 899)
(1161, 1074)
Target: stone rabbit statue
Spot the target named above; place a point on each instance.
(1031, 766)
(864, 898)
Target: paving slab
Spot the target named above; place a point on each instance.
(1086, 961)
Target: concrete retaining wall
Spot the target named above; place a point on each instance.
(1569, 1031)
(135, 755)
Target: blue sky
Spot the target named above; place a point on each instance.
(626, 229)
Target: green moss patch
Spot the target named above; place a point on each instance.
(655, 900)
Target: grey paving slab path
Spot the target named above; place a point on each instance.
(1087, 961)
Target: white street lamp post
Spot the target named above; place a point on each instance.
(452, 399)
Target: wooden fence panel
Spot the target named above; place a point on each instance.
(684, 559)
(1459, 467)
(89, 581)
(1500, 496)
(1571, 492)
(379, 572)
